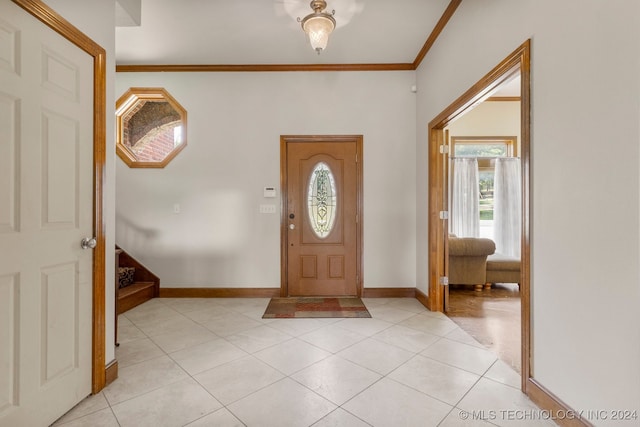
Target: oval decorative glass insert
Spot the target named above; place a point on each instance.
(322, 200)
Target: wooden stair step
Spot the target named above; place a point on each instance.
(134, 294)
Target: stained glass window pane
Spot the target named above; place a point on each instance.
(321, 200)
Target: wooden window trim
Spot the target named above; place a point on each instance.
(125, 104)
(510, 141)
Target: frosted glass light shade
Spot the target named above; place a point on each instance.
(318, 29)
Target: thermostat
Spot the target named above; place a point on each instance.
(269, 192)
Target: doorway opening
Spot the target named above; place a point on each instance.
(517, 64)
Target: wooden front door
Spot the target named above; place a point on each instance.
(321, 220)
(46, 209)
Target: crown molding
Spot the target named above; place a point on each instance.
(442, 22)
(504, 98)
(262, 67)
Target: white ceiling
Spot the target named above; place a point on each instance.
(510, 88)
(222, 32)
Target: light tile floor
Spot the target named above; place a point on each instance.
(216, 362)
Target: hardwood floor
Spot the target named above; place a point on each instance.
(492, 317)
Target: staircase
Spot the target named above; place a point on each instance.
(145, 286)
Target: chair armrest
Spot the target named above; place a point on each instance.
(471, 246)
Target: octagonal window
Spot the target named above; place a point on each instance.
(151, 127)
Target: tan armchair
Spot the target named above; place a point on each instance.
(468, 260)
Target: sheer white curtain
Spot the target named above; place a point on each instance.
(507, 207)
(465, 191)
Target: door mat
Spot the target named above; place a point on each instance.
(284, 308)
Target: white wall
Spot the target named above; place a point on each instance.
(491, 118)
(234, 125)
(96, 19)
(585, 278)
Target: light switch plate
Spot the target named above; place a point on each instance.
(267, 209)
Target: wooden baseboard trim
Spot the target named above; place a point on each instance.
(111, 372)
(389, 292)
(556, 409)
(219, 292)
(423, 298)
(274, 293)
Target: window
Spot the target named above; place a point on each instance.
(485, 150)
(150, 127)
(321, 200)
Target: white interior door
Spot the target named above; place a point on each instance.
(46, 209)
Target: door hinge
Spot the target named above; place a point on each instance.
(444, 214)
(356, 218)
(356, 157)
(444, 149)
(444, 280)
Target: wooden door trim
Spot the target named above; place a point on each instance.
(518, 60)
(57, 23)
(286, 139)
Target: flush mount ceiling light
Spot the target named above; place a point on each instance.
(318, 25)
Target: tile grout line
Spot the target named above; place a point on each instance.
(331, 353)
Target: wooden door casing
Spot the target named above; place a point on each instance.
(311, 265)
(518, 61)
(445, 224)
